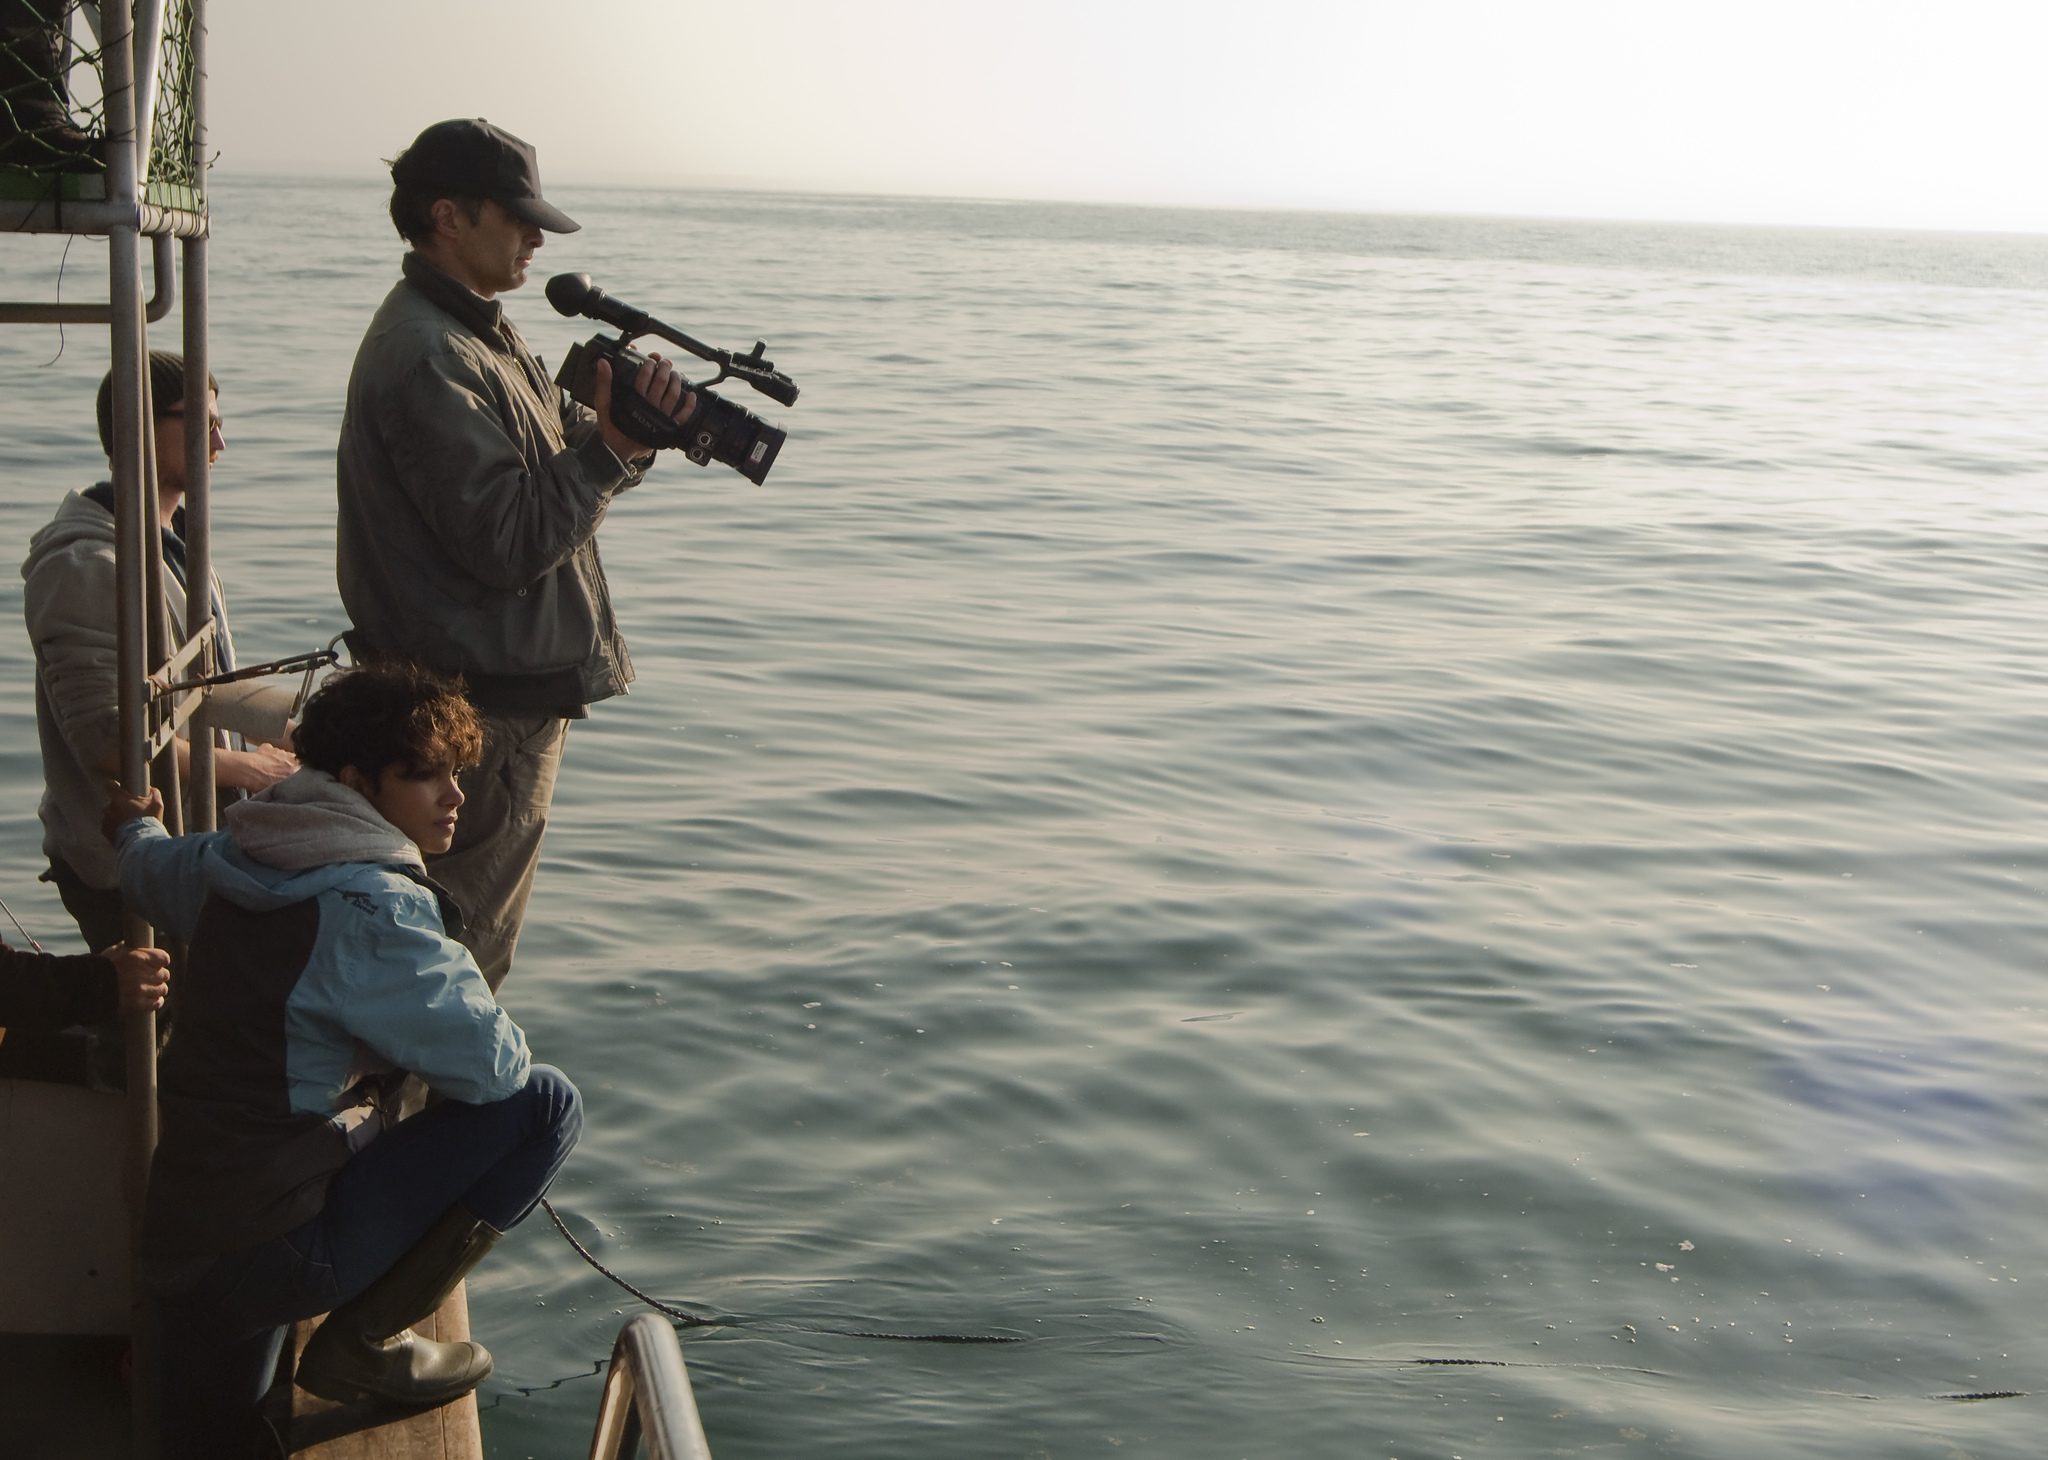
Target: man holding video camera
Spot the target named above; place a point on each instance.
(470, 491)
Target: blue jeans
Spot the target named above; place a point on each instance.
(221, 1341)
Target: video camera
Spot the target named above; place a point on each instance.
(717, 430)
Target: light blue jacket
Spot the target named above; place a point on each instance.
(384, 986)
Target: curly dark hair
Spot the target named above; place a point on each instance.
(376, 716)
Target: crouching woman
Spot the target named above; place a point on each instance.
(323, 970)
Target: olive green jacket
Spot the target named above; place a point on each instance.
(471, 490)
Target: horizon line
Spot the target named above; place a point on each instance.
(768, 188)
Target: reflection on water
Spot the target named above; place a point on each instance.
(1261, 799)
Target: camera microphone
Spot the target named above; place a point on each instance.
(574, 294)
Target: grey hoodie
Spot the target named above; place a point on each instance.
(310, 819)
(68, 602)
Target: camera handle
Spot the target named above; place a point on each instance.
(577, 294)
(751, 368)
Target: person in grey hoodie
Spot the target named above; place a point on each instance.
(68, 602)
(323, 970)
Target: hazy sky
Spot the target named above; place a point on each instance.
(1918, 114)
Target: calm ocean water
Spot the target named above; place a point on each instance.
(1259, 798)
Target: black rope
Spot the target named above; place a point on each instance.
(60, 299)
(693, 1320)
(1296, 1355)
(688, 1320)
(316, 659)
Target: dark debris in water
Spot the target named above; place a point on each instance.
(925, 1337)
(1316, 1356)
(1986, 1394)
(527, 1391)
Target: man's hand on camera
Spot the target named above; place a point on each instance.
(658, 381)
(123, 808)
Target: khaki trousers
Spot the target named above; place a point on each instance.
(489, 869)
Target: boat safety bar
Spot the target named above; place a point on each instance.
(173, 702)
(93, 218)
(161, 257)
(647, 1394)
(298, 664)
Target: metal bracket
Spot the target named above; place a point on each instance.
(165, 733)
(162, 683)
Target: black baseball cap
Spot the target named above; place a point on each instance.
(471, 158)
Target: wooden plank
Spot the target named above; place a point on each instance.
(63, 1220)
(373, 1430)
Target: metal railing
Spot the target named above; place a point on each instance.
(158, 309)
(647, 1395)
(128, 159)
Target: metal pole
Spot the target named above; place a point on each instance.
(163, 773)
(159, 305)
(124, 284)
(198, 471)
(147, 69)
(54, 215)
(647, 1393)
(125, 295)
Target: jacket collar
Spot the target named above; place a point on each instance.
(481, 315)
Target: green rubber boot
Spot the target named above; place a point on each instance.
(367, 1345)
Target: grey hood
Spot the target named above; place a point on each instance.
(309, 819)
(78, 520)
